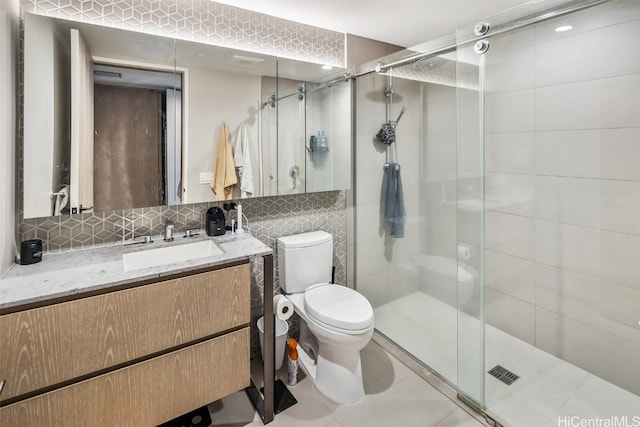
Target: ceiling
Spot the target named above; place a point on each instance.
(401, 22)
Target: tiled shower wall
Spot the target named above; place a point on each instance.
(563, 189)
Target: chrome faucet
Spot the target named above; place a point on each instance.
(168, 231)
(143, 239)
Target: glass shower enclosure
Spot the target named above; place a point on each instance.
(516, 279)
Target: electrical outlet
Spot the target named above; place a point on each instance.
(205, 177)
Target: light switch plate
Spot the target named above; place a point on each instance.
(205, 177)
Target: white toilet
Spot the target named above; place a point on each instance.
(339, 319)
(448, 280)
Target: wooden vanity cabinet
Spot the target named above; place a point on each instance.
(137, 356)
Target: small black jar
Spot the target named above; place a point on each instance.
(30, 251)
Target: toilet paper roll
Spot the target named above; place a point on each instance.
(465, 251)
(282, 307)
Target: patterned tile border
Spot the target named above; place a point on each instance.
(204, 21)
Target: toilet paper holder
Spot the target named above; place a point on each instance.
(275, 396)
(282, 307)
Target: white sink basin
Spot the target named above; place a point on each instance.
(169, 254)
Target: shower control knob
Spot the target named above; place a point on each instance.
(481, 28)
(481, 46)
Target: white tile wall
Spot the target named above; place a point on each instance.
(596, 153)
(621, 258)
(566, 60)
(594, 104)
(588, 300)
(608, 356)
(573, 248)
(620, 204)
(569, 200)
(502, 309)
(512, 193)
(511, 275)
(511, 111)
(515, 67)
(510, 234)
(510, 152)
(563, 190)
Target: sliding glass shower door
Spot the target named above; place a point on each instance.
(549, 205)
(411, 278)
(470, 213)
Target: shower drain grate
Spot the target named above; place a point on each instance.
(503, 374)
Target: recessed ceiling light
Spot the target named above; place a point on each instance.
(563, 28)
(245, 61)
(327, 67)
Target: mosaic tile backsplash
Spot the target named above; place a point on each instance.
(204, 21)
(268, 219)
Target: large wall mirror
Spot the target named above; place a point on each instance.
(115, 119)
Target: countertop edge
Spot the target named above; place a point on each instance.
(22, 289)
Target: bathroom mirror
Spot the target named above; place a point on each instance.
(115, 119)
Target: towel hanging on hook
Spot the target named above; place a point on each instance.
(386, 167)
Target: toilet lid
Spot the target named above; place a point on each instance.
(338, 306)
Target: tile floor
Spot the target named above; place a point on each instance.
(395, 396)
(548, 389)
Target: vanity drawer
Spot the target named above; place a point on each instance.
(64, 341)
(145, 394)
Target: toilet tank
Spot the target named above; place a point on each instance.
(304, 260)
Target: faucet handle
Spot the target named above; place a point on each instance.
(190, 233)
(168, 231)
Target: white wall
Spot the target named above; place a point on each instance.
(8, 44)
(46, 122)
(212, 98)
(563, 189)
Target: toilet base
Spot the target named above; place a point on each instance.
(338, 376)
(336, 371)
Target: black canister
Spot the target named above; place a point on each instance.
(215, 222)
(30, 251)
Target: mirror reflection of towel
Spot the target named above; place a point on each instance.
(224, 171)
(242, 158)
(61, 200)
(394, 212)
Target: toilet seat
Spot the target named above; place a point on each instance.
(338, 307)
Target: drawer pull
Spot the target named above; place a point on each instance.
(1, 385)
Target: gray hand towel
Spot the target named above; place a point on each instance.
(394, 212)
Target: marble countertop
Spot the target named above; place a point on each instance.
(76, 272)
